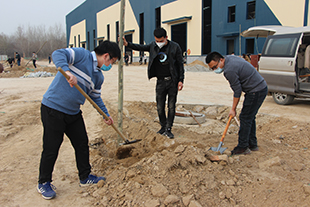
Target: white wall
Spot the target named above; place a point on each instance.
(76, 30)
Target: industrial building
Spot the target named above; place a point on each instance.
(199, 26)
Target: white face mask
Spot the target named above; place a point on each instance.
(160, 44)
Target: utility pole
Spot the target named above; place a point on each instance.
(120, 72)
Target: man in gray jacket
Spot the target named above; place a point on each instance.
(166, 64)
(242, 77)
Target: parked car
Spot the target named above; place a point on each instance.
(284, 61)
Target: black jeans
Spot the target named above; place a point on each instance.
(251, 105)
(34, 63)
(55, 124)
(164, 88)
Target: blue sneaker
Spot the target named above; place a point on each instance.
(92, 179)
(47, 190)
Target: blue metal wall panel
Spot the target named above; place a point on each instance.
(90, 8)
(220, 25)
(148, 8)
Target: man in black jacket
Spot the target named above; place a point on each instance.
(18, 58)
(166, 64)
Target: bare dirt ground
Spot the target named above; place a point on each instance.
(156, 171)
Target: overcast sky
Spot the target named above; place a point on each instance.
(34, 13)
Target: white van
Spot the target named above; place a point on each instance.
(285, 61)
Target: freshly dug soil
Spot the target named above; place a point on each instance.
(156, 171)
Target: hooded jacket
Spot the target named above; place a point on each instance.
(174, 54)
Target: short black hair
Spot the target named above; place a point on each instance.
(160, 32)
(213, 56)
(108, 47)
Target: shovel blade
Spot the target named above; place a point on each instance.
(130, 142)
(219, 148)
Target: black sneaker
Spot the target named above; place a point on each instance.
(240, 151)
(253, 148)
(169, 134)
(161, 131)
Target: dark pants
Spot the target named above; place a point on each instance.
(251, 105)
(55, 124)
(164, 88)
(34, 63)
(18, 62)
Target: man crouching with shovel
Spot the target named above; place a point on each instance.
(242, 77)
(60, 109)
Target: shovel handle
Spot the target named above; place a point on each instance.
(93, 103)
(236, 120)
(192, 115)
(226, 128)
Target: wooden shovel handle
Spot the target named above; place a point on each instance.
(93, 103)
(226, 128)
(194, 118)
(302, 76)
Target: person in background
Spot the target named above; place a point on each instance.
(49, 59)
(144, 58)
(126, 59)
(34, 59)
(166, 64)
(61, 113)
(242, 77)
(10, 61)
(140, 59)
(246, 57)
(18, 58)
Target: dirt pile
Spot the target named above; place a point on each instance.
(197, 66)
(162, 172)
(156, 171)
(19, 71)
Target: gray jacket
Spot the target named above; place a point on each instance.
(242, 76)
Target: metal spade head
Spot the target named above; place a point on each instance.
(219, 148)
(130, 142)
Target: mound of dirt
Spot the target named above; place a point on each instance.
(198, 62)
(177, 172)
(196, 66)
(156, 171)
(19, 71)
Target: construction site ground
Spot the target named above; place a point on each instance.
(156, 171)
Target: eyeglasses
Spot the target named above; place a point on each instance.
(112, 60)
(215, 66)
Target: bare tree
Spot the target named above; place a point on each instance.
(26, 41)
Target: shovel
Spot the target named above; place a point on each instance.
(220, 148)
(126, 141)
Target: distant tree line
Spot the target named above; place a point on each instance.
(25, 41)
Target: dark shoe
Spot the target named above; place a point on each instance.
(161, 131)
(253, 148)
(240, 151)
(169, 134)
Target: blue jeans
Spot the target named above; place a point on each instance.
(164, 88)
(251, 105)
